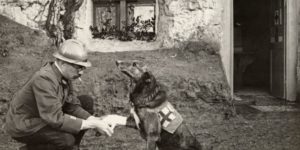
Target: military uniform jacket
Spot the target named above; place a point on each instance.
(45, 99)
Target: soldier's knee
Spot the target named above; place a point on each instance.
(67, 142)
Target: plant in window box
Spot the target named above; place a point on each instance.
(137, 30)
(108, 31)
(142, 28)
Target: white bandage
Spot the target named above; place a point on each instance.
(115, 119)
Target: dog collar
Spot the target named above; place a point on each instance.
(152, 95)
(147, 99)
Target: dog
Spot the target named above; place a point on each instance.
(152, 114)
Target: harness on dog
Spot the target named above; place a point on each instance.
(169, 117)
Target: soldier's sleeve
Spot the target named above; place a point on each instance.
(73, 106)
(75, 109)
(50, 106)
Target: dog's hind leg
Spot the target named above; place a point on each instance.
(188, 140)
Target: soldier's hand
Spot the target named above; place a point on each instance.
(103, 127)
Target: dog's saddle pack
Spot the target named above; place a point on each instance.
(169, 117)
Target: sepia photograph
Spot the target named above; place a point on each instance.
(149, 74)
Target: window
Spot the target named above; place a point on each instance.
(144, 13)
(124, 19)
(105, 16)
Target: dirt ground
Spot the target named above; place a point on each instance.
(197, 88)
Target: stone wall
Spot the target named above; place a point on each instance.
(31, 13)
(180, 23)
(83, 20)
(298, 56)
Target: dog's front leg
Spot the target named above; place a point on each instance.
(131, 123)
(151, 127)
(151, 144)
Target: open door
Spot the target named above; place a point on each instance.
(267, 29)
(277, 48)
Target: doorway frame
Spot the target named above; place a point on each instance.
(290, 47)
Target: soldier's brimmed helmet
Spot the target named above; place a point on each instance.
(73, 51)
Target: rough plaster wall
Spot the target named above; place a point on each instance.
(197, 25)
(225, 6)
(183, 21)
(298, 54)
(31, 13)
(84, 19)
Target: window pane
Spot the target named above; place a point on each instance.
(143, 15)
(105, 17)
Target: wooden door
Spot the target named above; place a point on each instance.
(277, 48)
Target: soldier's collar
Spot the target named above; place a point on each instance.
(56, 65)
(57, 71)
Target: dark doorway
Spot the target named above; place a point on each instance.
(252, 45)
